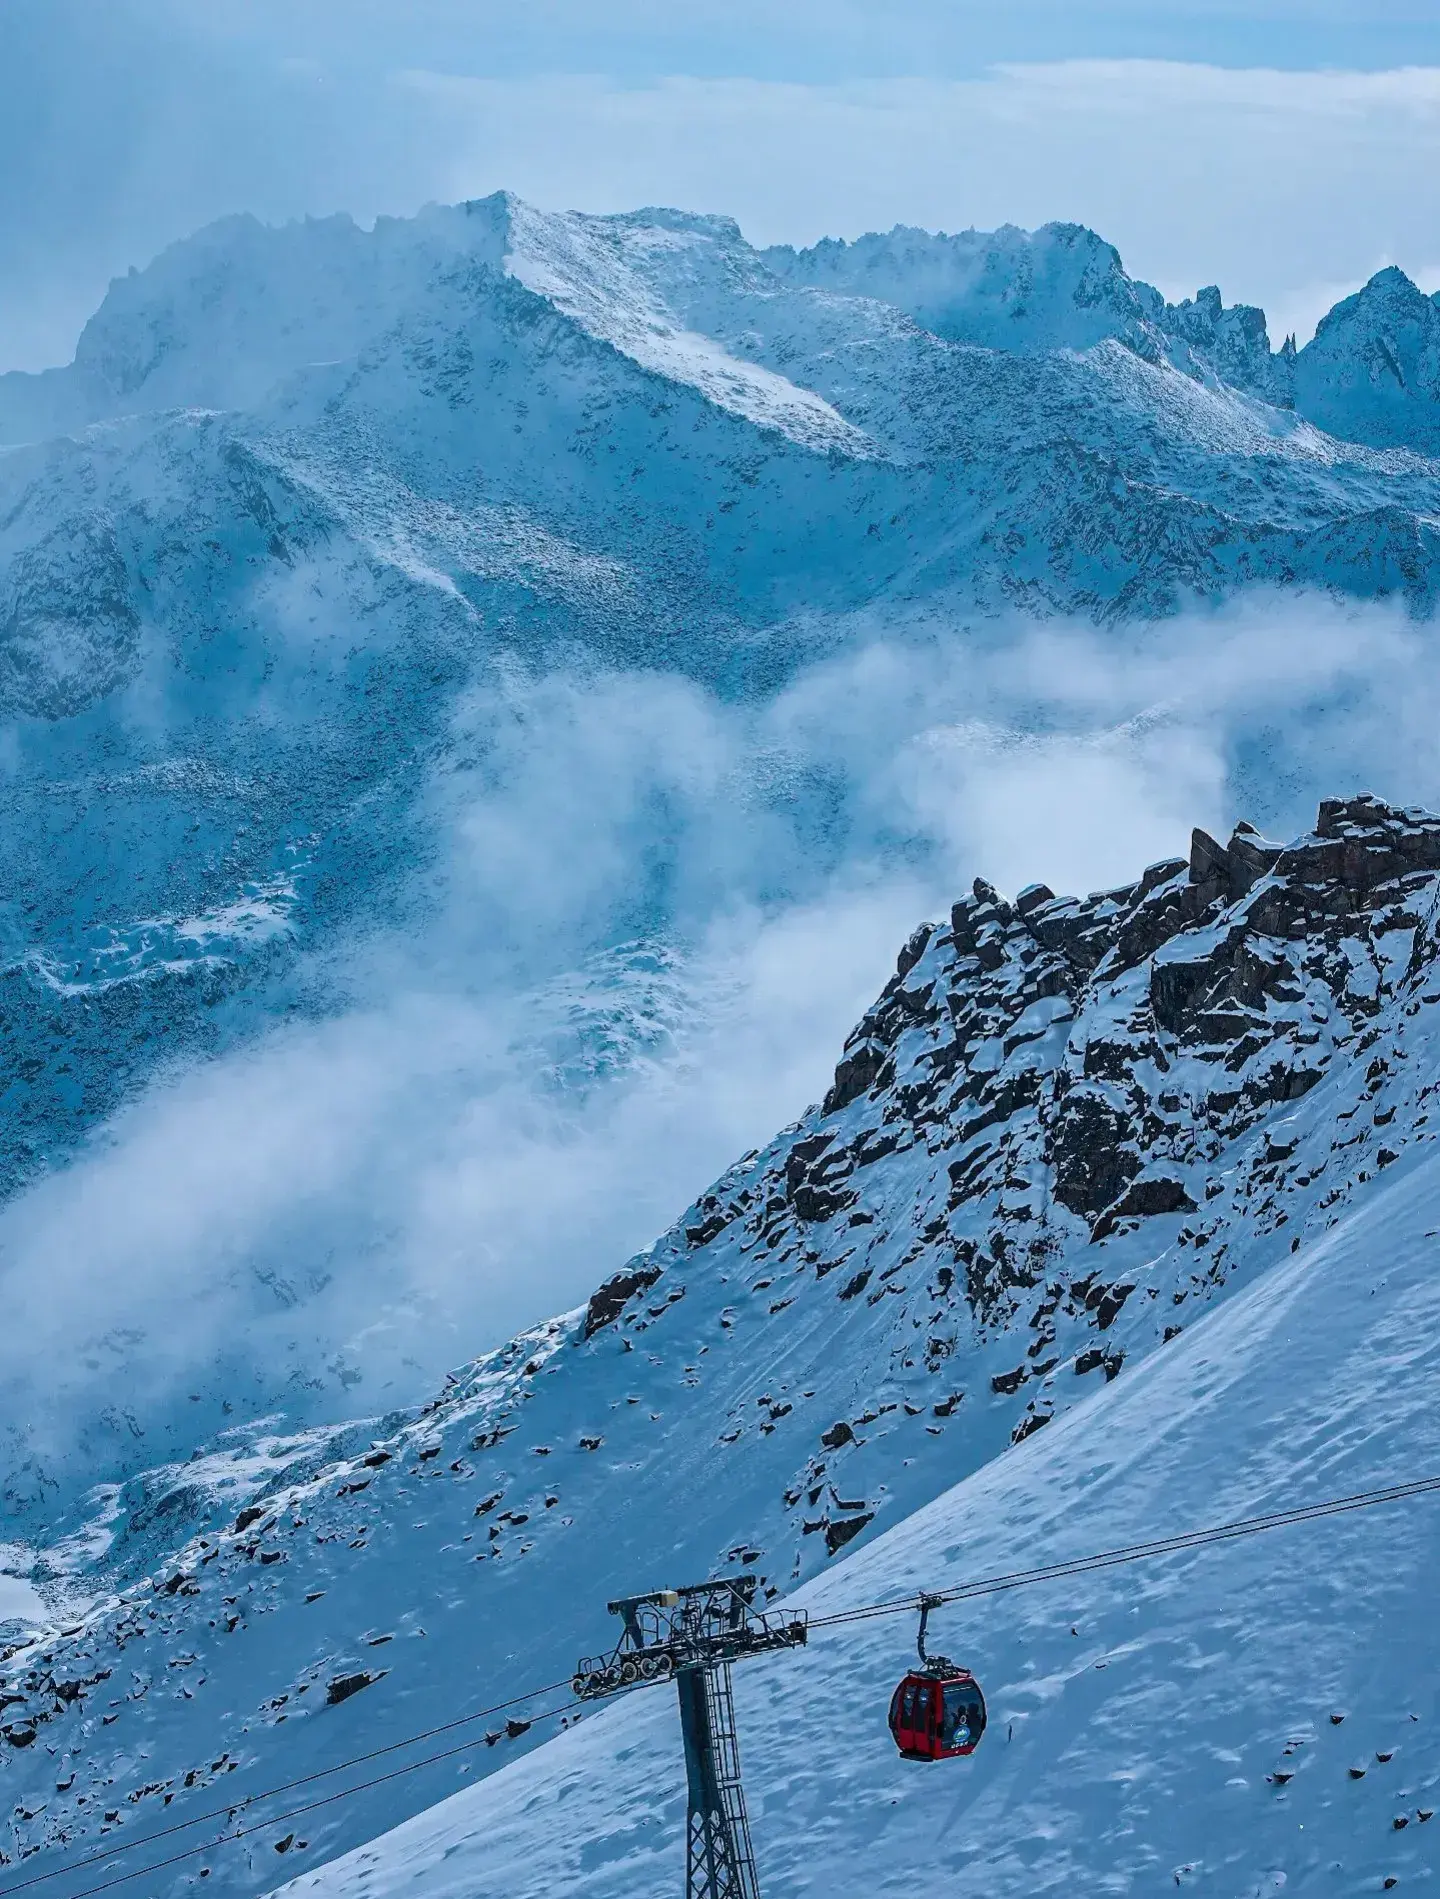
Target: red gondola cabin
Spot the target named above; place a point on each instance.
(936, 1717)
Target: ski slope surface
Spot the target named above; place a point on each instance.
(1248, 1719)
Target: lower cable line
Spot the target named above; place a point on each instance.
(901, 1605)
(279, 1819)
(246, 1801)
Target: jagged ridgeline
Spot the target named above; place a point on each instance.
(1065, 1129)
(303, 488)
(1051, 1073)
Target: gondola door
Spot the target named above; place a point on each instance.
(913, 1711)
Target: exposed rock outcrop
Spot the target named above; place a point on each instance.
(1090, 1118)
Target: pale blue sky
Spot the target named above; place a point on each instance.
(820, 40)
(1279, 149)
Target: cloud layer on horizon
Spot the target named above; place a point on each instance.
(1287, 187)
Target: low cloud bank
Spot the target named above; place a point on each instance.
(655, 918)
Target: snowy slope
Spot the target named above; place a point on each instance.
(1063, 1133)
(1246, 1719)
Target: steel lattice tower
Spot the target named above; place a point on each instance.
(719, 1859)
(694, 1634)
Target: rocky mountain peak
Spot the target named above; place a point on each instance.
(1372, 370)
(1231, 344)
(1060, 1072)
(230, 317)
(1060, 286)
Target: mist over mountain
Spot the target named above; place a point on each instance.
(484, 698)
(442, 660)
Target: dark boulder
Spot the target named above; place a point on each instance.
(914, 950)
(845, 1530)
(856, 1072)
(343, 1686)
(607, 1302)
(1089, 1148)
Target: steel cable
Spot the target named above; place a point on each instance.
(279, 1819)
(1135, 1552)
(241, 1804)
(960, 1592)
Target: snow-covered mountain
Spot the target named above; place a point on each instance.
(1372, 370)
(307, 497)
(289, 557)
(1065, 1134)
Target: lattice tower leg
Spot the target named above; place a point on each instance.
(719, 1860)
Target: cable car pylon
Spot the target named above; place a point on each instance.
(693, 1635)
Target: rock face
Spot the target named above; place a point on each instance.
(1233, 345)
(68, 621)
(1065, 1127)
(610, 1300)
(1372, 371)
(1093, 1057)
(1060, 287)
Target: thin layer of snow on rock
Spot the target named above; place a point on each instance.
(258, 919)
(584, 266)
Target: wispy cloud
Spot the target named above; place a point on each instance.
(123, 128)
(657, 917)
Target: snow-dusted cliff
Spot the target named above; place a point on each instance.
(1372, 371)
(1064, 1133)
